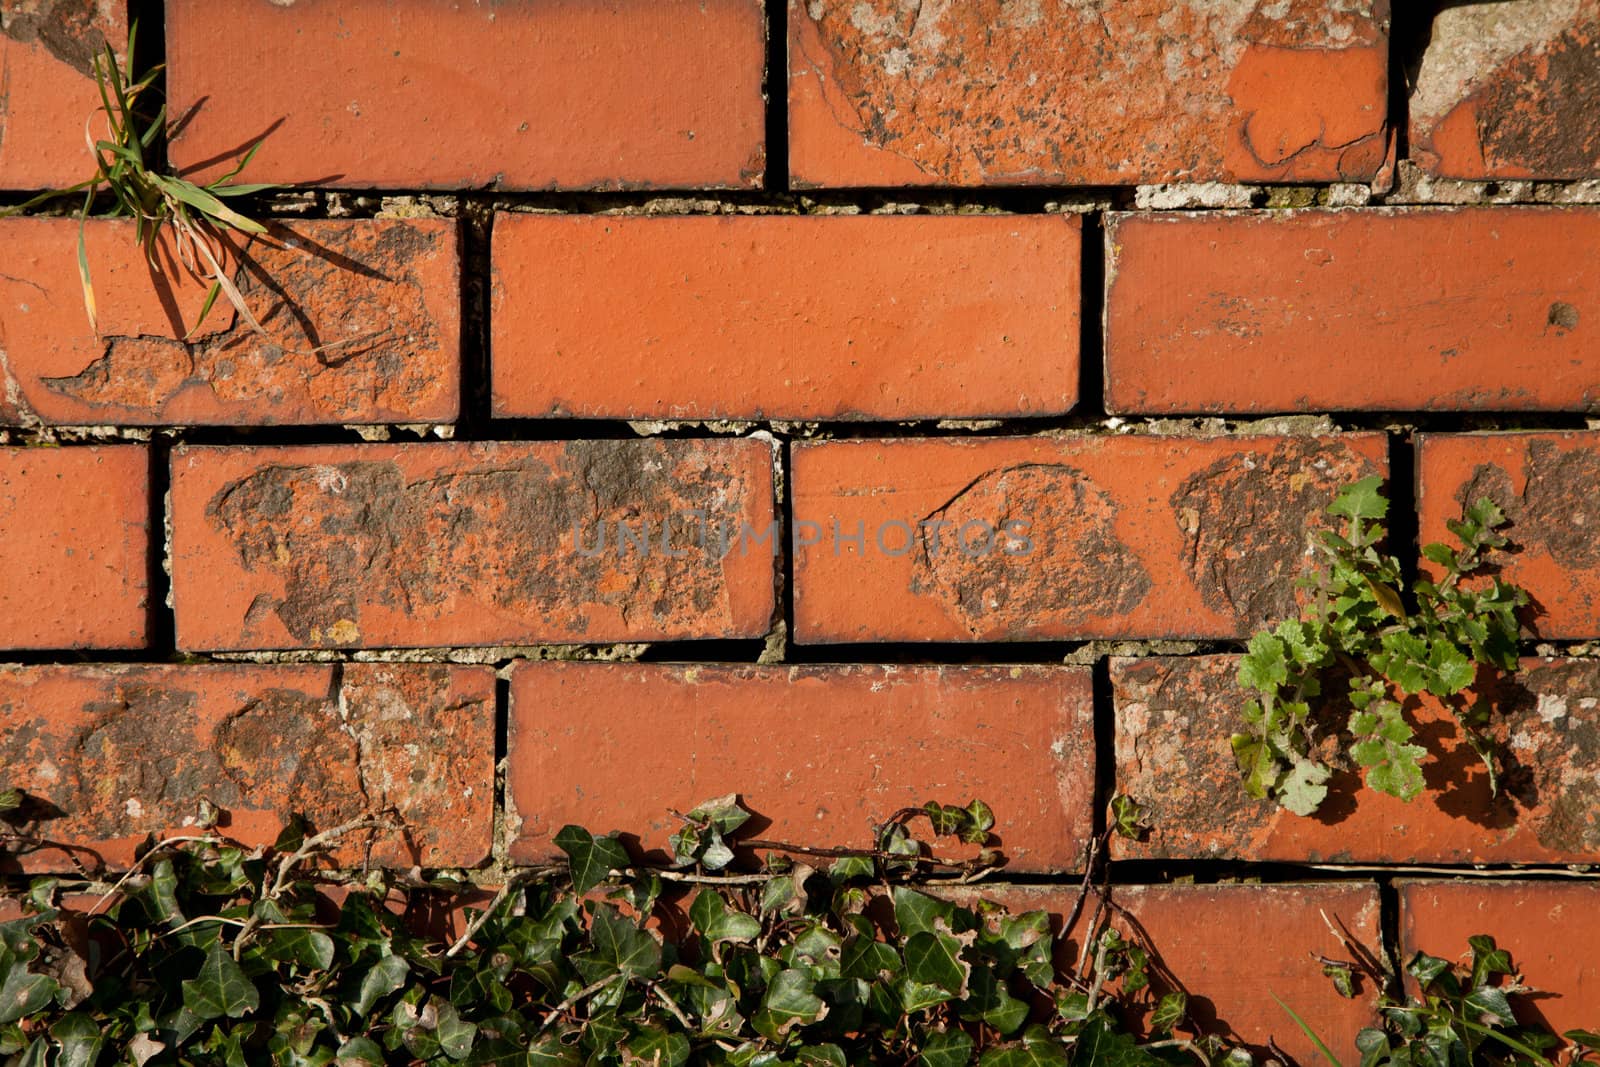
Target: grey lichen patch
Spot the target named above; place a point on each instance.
(1026, 547)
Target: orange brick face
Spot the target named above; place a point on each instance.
(125, 752)
(569, 94)
(1038, 538)
(359, 322)
(824, 753)
(47, 51)
(1548, 484)
(1476, 309)
(75, 525)
(1175, 715)
(1108, 92)
(823, 317)
(444, 544)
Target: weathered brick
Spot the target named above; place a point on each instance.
(1232, 948)
(571, 94)
(124, 752)
(1472, 309)
(47, 91)
(1103, 92)
(1175, 715)
(1510, 91)
(75, 525)
(1548, 927)
(360, 321)
(823, 753)
(786, 317)
(1549, 486)
(465, 544)
(1124, 536)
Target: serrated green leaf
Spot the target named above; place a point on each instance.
(1361, 500)
(1265, 666)
(1305, 788)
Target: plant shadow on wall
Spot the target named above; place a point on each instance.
(185, 228)
(1341, 686)
(734, 951)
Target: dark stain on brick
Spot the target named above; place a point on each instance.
(363, 534)
(1558, 706)
(1076, 567)
(1563, 317)
(1538, 111)
(1246, 522)
(66, 29)
(1559, 507)
(346, 322)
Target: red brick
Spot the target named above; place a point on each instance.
(379, 298)
(820, 753)
(1232, 948)
(124, 752)
(465, 544)
(47, 92)
(1549, 486)
(1131, 536)
(562, 94)
(75, 525)
(1109, 92)
(807, 317)
(1175, 715)
(1472, 309)
(1548, 927)
(1509, 91)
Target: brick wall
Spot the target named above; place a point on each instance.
(847, 404)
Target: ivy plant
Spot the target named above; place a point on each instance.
(1456, 1014)
(1327, 688)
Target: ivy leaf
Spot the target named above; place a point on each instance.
(1128, 817)
(1304, 790)
(360, 1052)
(789, 1002)
(829, 1054)
(221, 988)
(917, 913)
(620, 945)
(592, 858)
(935, 959)
(1039, 1049)
(946, 1048)
(1169, 1013)
(383, 978)
(1586, 1038)
(79, 1037)
(716, 922)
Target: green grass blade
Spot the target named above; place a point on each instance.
(1311, 1034)
(205, 309)
(208, 205)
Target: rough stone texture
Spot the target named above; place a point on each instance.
(1202, 937)
(75, 526)
(1477, 309)
(1510, 90)
(120, 753)
(1549, 486)
(821, 754)
(361, 322)
(1174, 717)
(468, 544)
(1127, 537)
(815, 317)
(47, 88)
(1548, 927)
(1097, 92)
(564, 93)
